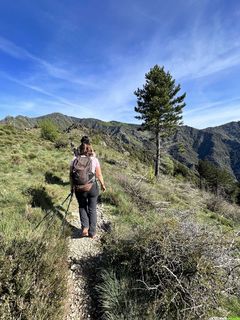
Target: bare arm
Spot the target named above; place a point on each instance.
(100, 178)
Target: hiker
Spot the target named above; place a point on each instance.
(84, 171)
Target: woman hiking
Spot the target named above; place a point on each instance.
(85, 170)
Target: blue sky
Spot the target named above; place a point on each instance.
(86, 57)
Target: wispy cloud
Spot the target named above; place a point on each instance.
(199, 59)
(15, 51)
(213, 105)
(201, 54)
(210, 119)
(61, 100)
(195, 53)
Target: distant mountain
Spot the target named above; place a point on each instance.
(220, 145)
(22, 122)
(125, 133)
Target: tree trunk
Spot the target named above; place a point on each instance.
(157, 162)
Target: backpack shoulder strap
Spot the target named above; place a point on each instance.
(75, 161)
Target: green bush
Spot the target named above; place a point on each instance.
(49, 130)
(168, 165)
(61, 142)
(96, 139)
(180, 168)
(151, 175)
(219, 180)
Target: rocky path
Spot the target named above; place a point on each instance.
(83, 259)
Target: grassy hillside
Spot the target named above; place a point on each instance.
(220, 145)
(32, 259)
(172, 252)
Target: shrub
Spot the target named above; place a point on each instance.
(61, 142)
(168, 165)
(180, 168)
(151, 175)
(49, 130)
(96, 139)
(219, 180)
(221, 207)
(30, 285)
(166, 271)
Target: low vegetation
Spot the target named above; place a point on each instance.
(172, 251)
(32, 244)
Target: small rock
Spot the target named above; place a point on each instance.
(74, 267)
(80, 249)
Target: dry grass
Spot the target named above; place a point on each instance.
(166, 258)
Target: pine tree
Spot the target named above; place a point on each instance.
(159, 106)
(218, 179)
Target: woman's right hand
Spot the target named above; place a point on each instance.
(100, 178)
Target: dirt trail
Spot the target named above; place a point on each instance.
(84, 256)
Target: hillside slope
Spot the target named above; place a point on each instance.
(220, 145)
(169, 248)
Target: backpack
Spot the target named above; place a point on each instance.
(82, 175)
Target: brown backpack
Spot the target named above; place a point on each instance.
(82, 175)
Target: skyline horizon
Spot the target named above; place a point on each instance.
(112, 120)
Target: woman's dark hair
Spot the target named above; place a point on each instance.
(85, 147)
(85, 140)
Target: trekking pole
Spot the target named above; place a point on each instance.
(70, 194)
(66, 212)
(50, 211)
(70, 200)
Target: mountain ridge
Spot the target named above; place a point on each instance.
(220, 144)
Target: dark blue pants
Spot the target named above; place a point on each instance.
(87, 202)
